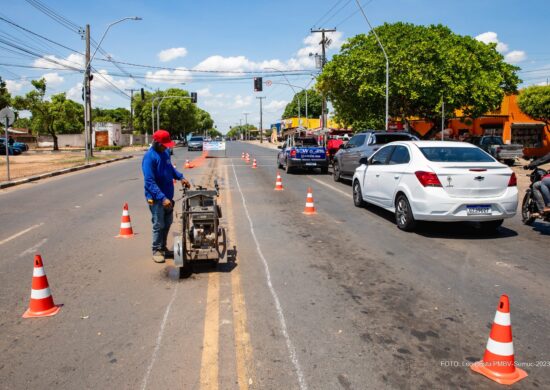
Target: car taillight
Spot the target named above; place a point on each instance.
(428, 179)
(513, 182)
(292, 153)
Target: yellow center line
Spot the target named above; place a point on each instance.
(209, 363)
(246, 375)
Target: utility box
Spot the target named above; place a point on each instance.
(106, 134)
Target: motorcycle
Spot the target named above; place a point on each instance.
(529, 209)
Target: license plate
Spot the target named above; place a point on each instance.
(478, 210)
(311, 164)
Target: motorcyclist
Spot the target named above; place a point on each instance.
(542, 187)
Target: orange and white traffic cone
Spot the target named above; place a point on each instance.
(498, 361)
(279, 183)
(187, 165)
(41, 304)
(125, 224)
(310, 204)
(247, 158)
(254, 165)
(242, 155)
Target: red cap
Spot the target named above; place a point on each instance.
(163, 138)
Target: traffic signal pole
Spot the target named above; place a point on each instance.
(261, 119)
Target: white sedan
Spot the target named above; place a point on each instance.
(437, 181)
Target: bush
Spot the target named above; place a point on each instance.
(108, 148)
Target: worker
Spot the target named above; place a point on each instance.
(158, 175)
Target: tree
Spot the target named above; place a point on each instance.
(314, 105)
(427, 64)
(236, 131)
(5, 97)
(535, 102)
(116, 115)
(60, 115)
(213, 133)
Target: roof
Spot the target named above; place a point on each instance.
(451, 144)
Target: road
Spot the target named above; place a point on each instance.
(340, 299)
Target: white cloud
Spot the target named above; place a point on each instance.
(172, 54)
(53, 79)
(204, 92)
(14, 86)
(241, 102)
(515, 56)
(73, 61)
(102, 80)
(178, 76)
(75, 93)
(492, 37)
(275, 105)
(312, 45)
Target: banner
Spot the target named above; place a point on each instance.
(213, 145)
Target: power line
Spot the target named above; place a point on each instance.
(317, 23)
(353, 13)
(56, 16)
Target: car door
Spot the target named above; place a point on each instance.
(372, 181)
(392, 173)
(354, 153)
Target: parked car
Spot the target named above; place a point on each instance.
(195, 143)
(346, 160)
(493, 144)
(437, 181)
(23, 147)
(302, 153)
(11, 150)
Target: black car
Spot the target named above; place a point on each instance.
(195, 143)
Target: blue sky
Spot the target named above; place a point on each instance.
(239, 36)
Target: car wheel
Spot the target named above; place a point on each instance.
(336, 171)
(279, 165)
(288, 168)
(490, 226)
(403, 214)
(526, 216)
(324, 170)
(357, 195)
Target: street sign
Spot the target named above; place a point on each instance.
(7, 113)
(268, 83)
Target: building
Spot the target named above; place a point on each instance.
(106, 134)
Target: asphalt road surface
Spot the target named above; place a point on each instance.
(340, 299)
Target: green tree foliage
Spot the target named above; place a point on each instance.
(116, 115)
(427, 63)
(57, 116)
(213, 133)
(23, 123)
(236, 131)
(5, 97)
(314, 105)
(535, 102)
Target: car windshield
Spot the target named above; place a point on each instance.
(492, 141)
(455, 154)
(382, 139)
(305, 142)
(196, 139)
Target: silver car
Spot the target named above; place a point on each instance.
(363, 145)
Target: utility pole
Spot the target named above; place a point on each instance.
(131, 108)
(88, 96)
(324, 42)
(261, 120)
(246, 126)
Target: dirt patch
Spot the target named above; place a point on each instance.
(26, 165)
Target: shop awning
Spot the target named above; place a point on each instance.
(528, 125)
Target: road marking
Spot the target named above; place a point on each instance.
(21, 233)
(246, 374)
(331, 187)
(159, 339)
(33, 249)
(290, 346)
(210, 344)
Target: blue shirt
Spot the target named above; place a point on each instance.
(158, 173)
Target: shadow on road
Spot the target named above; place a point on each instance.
(204, 266)
(541, 227)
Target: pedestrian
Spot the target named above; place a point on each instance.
(158, 175)
(11, 141)
(542, 186)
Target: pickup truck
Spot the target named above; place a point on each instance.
(302, 153)
(492, 144)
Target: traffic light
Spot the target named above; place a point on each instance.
(193, 97)
(258, 84)
(142, 94)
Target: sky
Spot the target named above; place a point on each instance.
(234, 41)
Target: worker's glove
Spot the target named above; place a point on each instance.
(167, 203)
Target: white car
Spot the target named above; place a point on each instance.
(437, 181)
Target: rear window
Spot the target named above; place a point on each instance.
(305, 142)
(382, 139)
(492, 141)
(196, 139)
(455, 154)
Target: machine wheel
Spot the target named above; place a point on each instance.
(222, 243)
(526, 217)
(357, 195)
(403, 214)
(336, 171)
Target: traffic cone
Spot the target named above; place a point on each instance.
(310, 206)
(125, 224)
(41, 304)
(498, 361)
(187, 165)
(279, 183)
(247, 158)
(254, 165)
(242, 155)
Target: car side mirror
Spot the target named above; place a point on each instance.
(364, 160)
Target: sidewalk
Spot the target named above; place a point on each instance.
(265, 144)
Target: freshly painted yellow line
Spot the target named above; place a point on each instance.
(210, 345)
(246, 375)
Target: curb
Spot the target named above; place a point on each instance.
(7, 184)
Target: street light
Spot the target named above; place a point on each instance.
(88, 124)
(387, 62)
